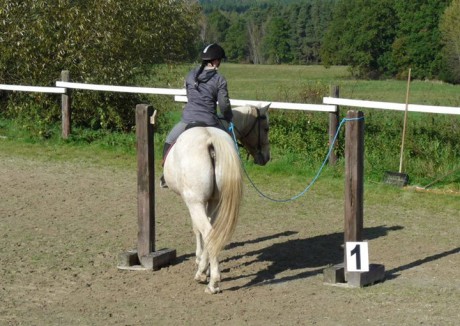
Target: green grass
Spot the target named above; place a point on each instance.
(114, 149)
(287, 82)
(299, 139)
(276, 83)
(430, 140)
(269, 82)
(420, 92)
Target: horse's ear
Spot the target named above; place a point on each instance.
(264, 109)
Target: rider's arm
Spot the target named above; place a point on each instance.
(224, 100)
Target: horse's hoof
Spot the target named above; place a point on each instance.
(201, 278)
(212, 290)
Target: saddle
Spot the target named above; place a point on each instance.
(189, 126)
(194, 124)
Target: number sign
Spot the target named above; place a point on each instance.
(357, 254)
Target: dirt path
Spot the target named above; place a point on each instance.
(62, 226)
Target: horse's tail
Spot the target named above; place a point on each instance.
(229, 184)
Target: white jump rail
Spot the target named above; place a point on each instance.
(121, 89)
(276, 105)
(392, 106)
(33, 89)
(180, 96)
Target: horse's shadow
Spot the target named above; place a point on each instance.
(314, 254)
(232, 245)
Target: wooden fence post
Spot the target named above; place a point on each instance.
(146, 256)
(333, 125)
(354, 193)
(66, 110)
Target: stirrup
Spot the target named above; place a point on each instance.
(163, 182)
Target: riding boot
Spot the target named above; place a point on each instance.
(166, 147)
(163, 183)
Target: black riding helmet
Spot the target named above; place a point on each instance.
(213, 51)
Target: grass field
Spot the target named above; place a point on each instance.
(429, 136)
(288, 82)
(268, 82)
(299, 139)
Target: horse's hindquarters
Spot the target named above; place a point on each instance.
(188, 168)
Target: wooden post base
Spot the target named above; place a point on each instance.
(153, 261)
(335, 275)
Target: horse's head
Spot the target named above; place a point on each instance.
(251, 126)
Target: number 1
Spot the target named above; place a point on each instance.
(357, 250)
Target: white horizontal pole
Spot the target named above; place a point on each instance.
(392, 106)
(275, 105)
(122, 89)
(34, 89)
(434, 109)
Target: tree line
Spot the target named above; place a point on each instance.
(268, 32)
(376, 38)
(115, 42)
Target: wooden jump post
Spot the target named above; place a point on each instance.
(145, 257)
(354, 176)
(354, 192)
(66, 108)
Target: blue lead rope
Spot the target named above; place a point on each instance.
(331, 147)
(232, 131)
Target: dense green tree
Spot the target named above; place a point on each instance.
(216, 27)
(360, 35)
(276, 41)
(298, 20)
(236, 41)
(450, 30)
(418, 41)
(319, 15)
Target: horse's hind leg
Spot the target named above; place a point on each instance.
(199, 244)
(213, 286)
(201, 227)
(201, 275)
(201, 259)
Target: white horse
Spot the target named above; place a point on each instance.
(204, 168)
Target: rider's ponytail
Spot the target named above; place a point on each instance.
(203, 64)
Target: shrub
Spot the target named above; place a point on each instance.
(102, 42)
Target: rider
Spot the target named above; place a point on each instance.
(205, 87)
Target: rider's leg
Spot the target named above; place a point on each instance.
(171, 139)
